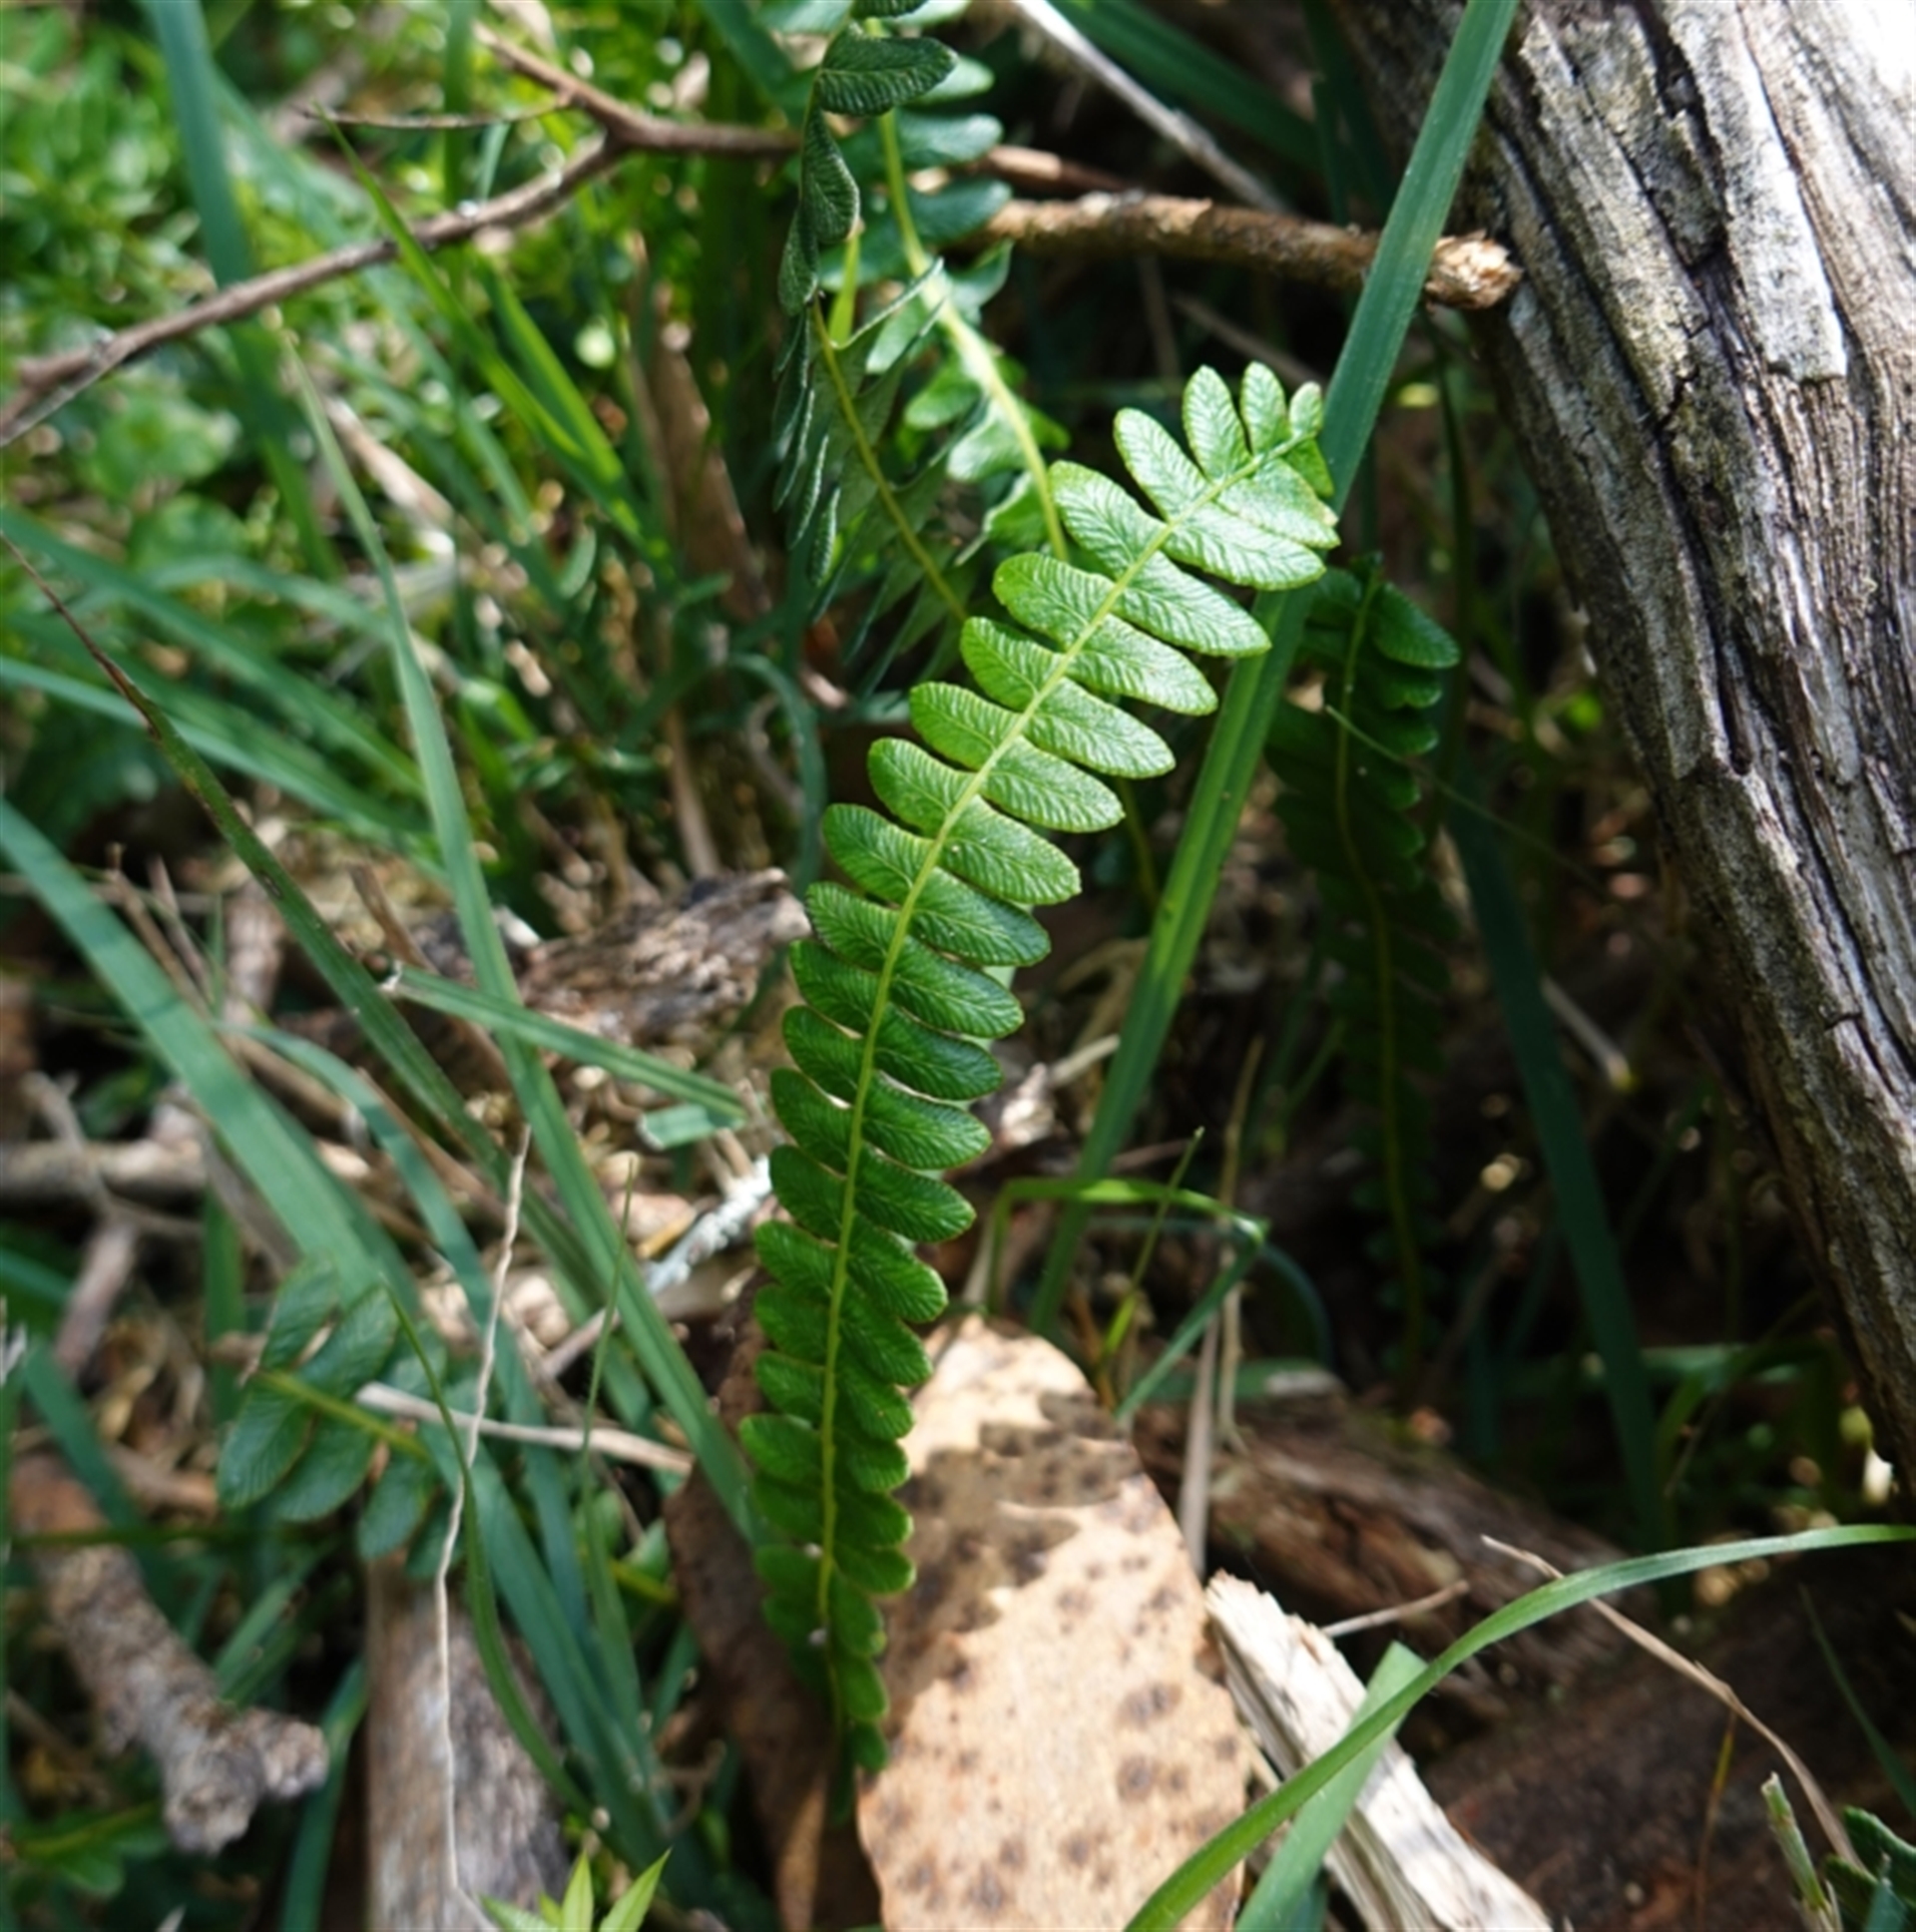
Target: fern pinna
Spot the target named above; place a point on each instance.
(897, 985)
(1349, 810)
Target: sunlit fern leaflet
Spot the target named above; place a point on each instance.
(868, 467)
(897, 988)
(1351, 812)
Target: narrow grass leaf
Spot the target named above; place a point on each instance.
(1284, 1888)
(512, 1020)
(1559, 1126)
(663, 1359)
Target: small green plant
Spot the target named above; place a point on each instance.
(865, 485)
(574, 1913)
(1875, 1891)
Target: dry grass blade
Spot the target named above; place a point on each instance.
(1826, 1815)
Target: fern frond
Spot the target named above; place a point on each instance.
(897, 986)
(861, 517)
(1349, 808)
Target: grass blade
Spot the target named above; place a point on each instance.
(225, 732)
(1558, 1125)
(1284, 1888)
(274, 1156)
(514, 1021)
(180, 26)
(1901, 1779)
(659, 1354)
(386, 1032)
(302, 1900)
(306, 705)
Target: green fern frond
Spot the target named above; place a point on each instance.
(863, 516)
(1349, 808)
(897, 985)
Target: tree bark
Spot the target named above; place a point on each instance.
(1711, 371)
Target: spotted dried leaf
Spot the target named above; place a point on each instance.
(1060, 1737)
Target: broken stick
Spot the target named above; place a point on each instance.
(217, 1764)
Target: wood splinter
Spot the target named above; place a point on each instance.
(217, 1764)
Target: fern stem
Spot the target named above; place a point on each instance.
(1396, 1187)
(973, 351)
(876, 469)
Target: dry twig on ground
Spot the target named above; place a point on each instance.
(217, 1764)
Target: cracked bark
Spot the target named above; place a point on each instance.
(1712, 375)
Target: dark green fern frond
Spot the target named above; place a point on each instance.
(1349, 808)
(863, 516)
(897, 985)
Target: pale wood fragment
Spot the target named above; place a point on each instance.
(1399, 1859)
(218, 1763)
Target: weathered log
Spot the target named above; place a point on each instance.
(1711, 373)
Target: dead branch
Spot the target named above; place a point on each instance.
(443, 1764)
(1401, 1860)
(1466, 272)
(105, 1269)
(217, 1764)
(53, 1173)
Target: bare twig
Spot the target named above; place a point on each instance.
(615, 1445)
(1466, 272)
(405, 949)
(1194, 1492)
(709, 1234)
(1401, 1612)
(468, 1455)
(1038, 172)
(47, 382)
(111, 1250)
(217, 1764)
(1247, 342)
(424, 122)
(628, 125)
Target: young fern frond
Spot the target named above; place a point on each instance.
(1349, 808)
(897, 988)
(861, 515)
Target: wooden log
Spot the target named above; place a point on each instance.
(1711, 370)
